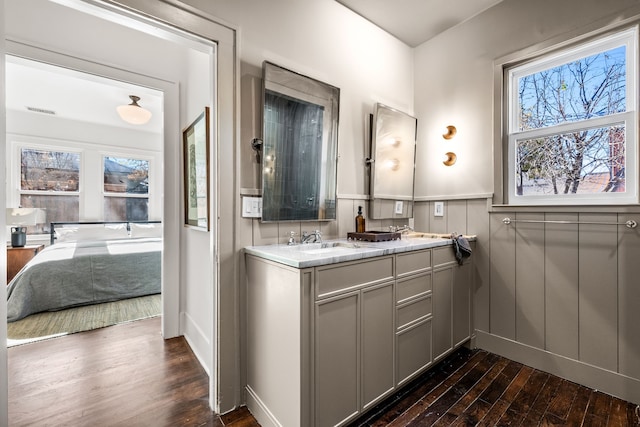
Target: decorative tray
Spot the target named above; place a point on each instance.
(374, 236)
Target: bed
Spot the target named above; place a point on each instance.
(88, 264)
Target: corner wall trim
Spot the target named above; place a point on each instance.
(618, 385)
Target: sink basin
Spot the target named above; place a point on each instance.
(325, 248)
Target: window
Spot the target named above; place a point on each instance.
(572, 125)
(126, 189)
(50, 180)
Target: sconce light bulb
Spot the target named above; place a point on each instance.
(268, 170)
(393, 164)
(450, 159)
(449, 132)
(394, 142)
(270, 157)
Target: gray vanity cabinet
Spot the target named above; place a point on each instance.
(336, 375)
(451, 301)
(354, 344)
(326, 343)
(414, 314)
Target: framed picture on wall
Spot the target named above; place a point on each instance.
(195, 142)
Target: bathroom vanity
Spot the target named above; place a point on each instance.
(334, 328)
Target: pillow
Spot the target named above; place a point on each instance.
(66, 234)
(145, 230)
(84, 232)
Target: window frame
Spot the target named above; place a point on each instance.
(90, 175)
(107, 194)
(16, 193)
(555, 57)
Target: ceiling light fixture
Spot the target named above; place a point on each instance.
(133, 113)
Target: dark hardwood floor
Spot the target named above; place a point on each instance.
(127, 375)
(476, 388)
(124, 375)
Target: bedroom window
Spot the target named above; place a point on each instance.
(50, 180)
(572, 125)
(126, 189)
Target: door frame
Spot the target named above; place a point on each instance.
(225, 387)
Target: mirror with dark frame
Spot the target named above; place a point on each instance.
(300, 146)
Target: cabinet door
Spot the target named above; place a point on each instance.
(378, 306)
(462, 303)
(414, 350)
(336, 359)
(442, 311)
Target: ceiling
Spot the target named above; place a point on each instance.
(44, 89)
(416, 21)
(89, 98)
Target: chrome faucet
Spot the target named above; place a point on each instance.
(405, 229)
(292, 238)
(316, 236)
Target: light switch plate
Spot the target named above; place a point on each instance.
(399, 206)
(252, 207)
(438, 208)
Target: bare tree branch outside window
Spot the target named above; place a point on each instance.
(589, 160)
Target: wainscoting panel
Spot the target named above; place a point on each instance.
(478, 224)
(529, 254)
(560, 297)
(457, 218)
(629, 298)
(598, 295)
(503, 277)
(561, 286)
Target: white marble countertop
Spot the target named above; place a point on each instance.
(342, 250)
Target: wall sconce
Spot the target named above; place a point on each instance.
(393, 164)
(450, 132)
(449, 157)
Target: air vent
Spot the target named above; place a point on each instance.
(41, 110)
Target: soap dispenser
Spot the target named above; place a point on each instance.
(359, 221)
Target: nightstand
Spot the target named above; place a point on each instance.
(18, 257)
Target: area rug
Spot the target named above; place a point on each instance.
(47, 325)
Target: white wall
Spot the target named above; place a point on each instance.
(454, 84)
(326, 41)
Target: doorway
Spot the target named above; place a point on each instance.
(74, 159)
(182, 316)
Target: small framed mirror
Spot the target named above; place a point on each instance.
(300, 146)
(393, 147)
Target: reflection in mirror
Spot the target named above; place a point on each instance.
(300, 146)
(392, 170)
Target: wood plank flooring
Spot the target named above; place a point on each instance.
(127, 375)
(477, 388)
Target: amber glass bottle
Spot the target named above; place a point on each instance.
(359, 221)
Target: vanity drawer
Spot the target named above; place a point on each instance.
(413, 311)
(443, 255)
(336, 278)
(413, 287)
(413, 262)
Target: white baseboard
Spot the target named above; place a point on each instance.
(609, 382)
(259, 410)
(198, 341)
